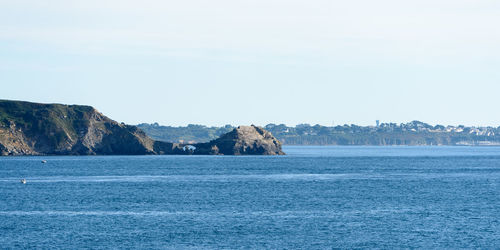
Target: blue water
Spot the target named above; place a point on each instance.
(315, 197)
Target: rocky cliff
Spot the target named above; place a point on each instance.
(54, 129)
(243, 140)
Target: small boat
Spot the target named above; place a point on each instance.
(44, 161)
(23, 181)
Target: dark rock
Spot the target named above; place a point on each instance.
(243, 140)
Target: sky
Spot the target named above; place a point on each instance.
(217, 62)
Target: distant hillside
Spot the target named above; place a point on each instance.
(189, 134)
(413, 133)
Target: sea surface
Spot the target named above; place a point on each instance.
(312, 198)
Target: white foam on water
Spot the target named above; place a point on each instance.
(291, 213)
(229, 178)
(166, 178)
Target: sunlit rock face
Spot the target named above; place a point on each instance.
(243, 140)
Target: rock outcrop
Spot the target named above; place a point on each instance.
(54, 129)
(243, 140)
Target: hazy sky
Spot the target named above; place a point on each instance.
(218, 62)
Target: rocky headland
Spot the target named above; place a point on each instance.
(243, 140)
(55, 129)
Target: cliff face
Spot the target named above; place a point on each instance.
(243, 140)
(55, 129)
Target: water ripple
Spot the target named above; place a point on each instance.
(306, 214)
(263, 177)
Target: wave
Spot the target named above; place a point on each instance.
(263, 177)
(308, 214)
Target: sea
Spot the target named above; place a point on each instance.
(312, 198)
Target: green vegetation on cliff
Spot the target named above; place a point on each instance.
(51, 122)
(33, 129)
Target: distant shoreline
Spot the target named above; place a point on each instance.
(414, 133)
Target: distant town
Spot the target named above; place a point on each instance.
(412, 133)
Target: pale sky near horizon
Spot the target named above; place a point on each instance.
(217, 62)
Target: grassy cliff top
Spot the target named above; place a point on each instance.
(55, 121)
(22, 112)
